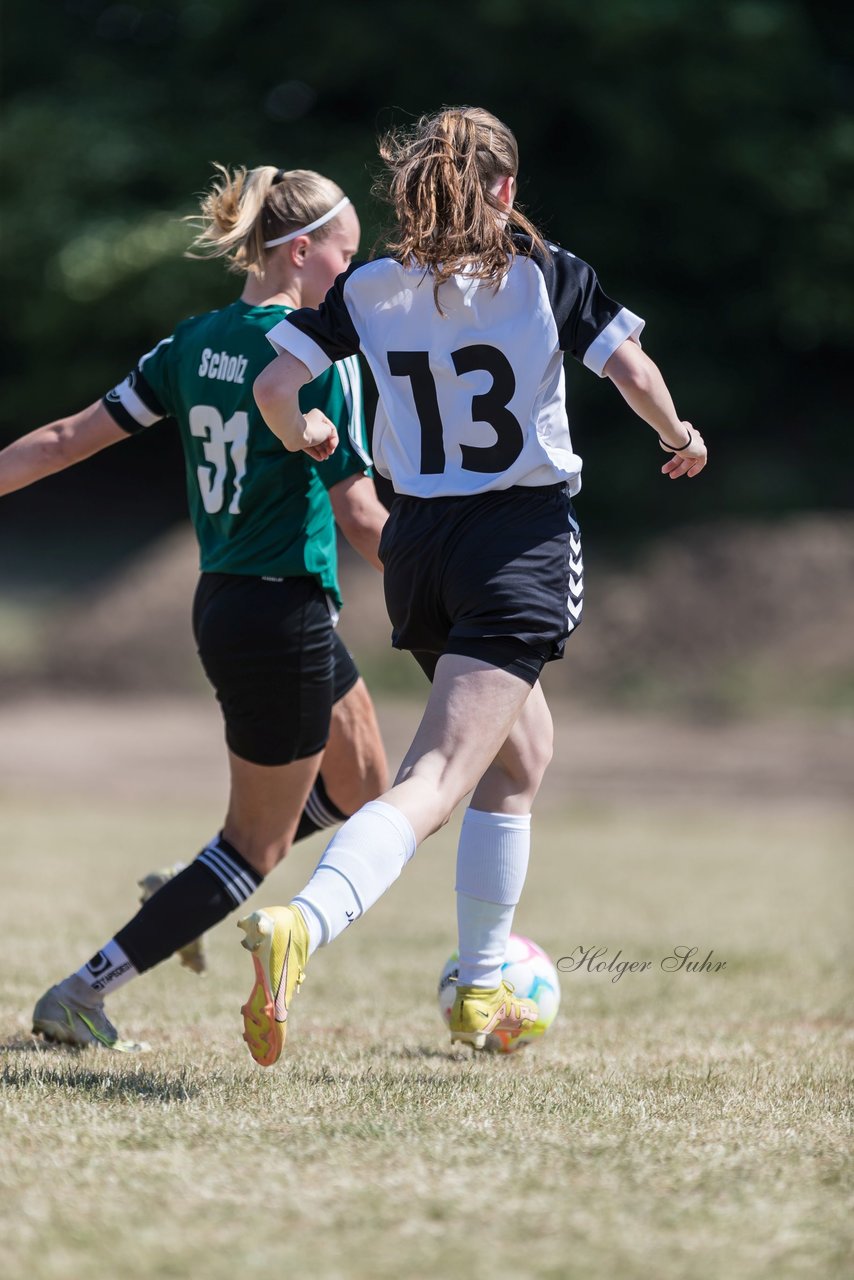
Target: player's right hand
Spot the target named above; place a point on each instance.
(689, 461)
(321, 436)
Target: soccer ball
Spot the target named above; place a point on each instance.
(530, 973)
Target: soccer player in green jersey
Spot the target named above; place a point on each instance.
(304, 749)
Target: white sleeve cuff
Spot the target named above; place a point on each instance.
(287, 337)
(624, 325)
(130, 401)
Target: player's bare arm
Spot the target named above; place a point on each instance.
(359, 515)
(57, 445)
(276, 391)
(640, 383)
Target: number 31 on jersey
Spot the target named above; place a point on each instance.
(221, 439)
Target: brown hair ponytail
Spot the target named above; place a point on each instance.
(439, 178)
(243, 208)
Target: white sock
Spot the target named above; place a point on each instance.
(361, 861)
(492, 862)
(108, 970)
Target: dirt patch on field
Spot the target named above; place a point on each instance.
(171, 751)
(736, 616)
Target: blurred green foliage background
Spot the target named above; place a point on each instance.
(700, 153)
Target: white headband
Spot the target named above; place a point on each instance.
(312, 226)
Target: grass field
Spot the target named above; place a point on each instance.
(671, 1125)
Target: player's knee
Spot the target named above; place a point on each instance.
(534, 753)
(527, 767)
(538, 757)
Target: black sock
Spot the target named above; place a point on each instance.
(319, 812)
(201, 895)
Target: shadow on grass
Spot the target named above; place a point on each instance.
(417, 1053)
(46, 1073)
(458, 1056)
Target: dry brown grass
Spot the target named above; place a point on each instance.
(671, 1125)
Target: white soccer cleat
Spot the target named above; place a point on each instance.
(62, 1018)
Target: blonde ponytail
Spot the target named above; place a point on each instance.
(439, 175)
(244, 208)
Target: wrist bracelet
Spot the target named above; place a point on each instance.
(680, 448)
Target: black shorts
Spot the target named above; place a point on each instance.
(495, 576)
(276, 664)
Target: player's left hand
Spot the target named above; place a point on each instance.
(689, 461)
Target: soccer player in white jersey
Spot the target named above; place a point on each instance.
(304, 749)
(464, 328)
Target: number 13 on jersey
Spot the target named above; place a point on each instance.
(490, 406)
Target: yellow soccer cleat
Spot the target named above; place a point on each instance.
(477, 1013)
(192, 956)
(278, 940)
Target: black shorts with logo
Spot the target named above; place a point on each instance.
(276, 665)
(495, 576)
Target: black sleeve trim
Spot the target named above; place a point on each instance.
(120, 415)
(132, 404)
(331, 327)
(581, 308)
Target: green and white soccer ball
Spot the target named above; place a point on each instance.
(530, 973)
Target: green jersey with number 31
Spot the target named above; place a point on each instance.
(257, 509)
